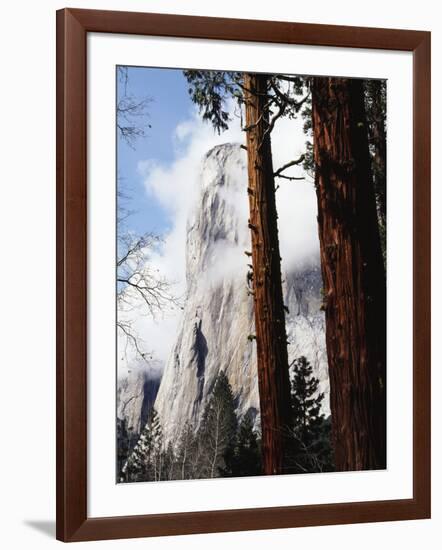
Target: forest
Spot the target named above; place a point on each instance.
(344, 124)
(224, 446)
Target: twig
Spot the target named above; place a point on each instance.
(279, 172)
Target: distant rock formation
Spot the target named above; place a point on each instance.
(136, 393)
(218, 312)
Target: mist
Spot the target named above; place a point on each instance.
(177, 186)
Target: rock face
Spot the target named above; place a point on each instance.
(136, 393)
(218, 313)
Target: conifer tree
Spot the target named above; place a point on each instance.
(264, 102)
(169, 463)
(145, 463)
(123, 447)
(186, 453)
(353, 273)
(245, 457)
(311, 449)
(156, 451)
(216, 433)
(306, 402)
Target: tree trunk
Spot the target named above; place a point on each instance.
(353, 274)
(271, 338)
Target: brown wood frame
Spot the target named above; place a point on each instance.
(72, 521)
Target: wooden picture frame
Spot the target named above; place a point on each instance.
(73, 523)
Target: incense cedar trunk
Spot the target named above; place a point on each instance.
(353, 274)
(271, 339)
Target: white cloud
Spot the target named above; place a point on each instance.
(295, 200)
(176, 187)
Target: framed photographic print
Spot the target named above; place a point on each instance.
(243, 274)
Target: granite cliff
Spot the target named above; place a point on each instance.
(218, 312)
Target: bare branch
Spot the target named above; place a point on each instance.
(132, 338)
(279, 172)
(139, 285)
(131, 112)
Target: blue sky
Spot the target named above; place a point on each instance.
(164, 178)
(170, 104)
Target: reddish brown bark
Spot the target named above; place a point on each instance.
(271, 339)
(353, 274)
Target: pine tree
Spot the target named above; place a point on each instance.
(244, 458)
(185, 459)
(169, 463)
(145, 463)
(310, 450)
(123, 447)
(156, 450)
(216, 433)
(306, 402)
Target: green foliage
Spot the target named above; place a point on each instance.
(219, 447)
(309, 442)
(306, 402)
(210, 90)
(309, 161)
(223, 446)
(146, 461)
(123, 446)
(218, 427)
(187, 452)
(244, 457)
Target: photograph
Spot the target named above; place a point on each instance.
(251, 262)
(220, 331)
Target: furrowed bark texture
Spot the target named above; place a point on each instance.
(271, 338)
(353, 274)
